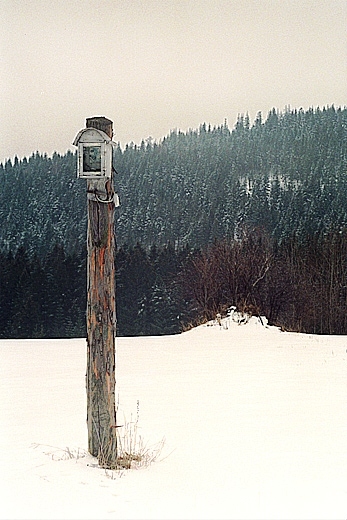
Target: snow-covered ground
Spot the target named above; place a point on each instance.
(254, 422)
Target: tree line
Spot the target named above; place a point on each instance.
(253, 216)
(299, 285)
(45, 296)
(286, 173)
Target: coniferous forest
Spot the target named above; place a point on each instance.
(254, 216)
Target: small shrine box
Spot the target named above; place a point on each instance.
(95, 151)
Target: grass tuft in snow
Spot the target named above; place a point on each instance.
(62, 453)
(132, 450)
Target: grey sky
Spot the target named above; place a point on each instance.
(155, 65)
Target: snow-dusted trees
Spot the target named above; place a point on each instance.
(285, 173)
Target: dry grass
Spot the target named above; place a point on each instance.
(59, 454)
(132, 450)
(194, 324)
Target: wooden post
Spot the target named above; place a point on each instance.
(101, 315)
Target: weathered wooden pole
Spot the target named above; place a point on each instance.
(101, 302)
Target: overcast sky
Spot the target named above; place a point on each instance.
(156, 65)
